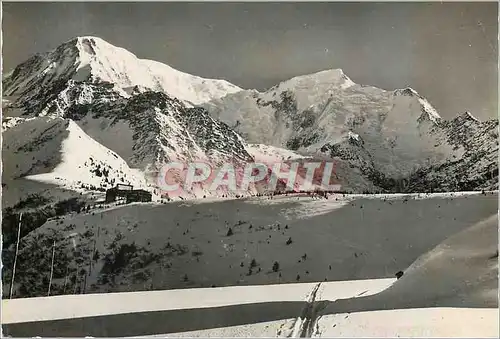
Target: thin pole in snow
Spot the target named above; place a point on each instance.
(15, 257)
(76, 278)
(93, 252)
(65, 279)
(84, 284)
(52, 266)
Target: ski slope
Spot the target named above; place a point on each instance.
(336, 239)
(445, 246)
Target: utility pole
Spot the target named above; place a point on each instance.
(52, 267)
(15, 257)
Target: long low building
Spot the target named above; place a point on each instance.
(127, 192)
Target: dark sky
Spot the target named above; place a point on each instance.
(446, 51)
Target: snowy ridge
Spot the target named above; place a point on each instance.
(76, 95)
(427, 110)
(147, 130)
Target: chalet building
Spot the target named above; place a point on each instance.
(129, 193)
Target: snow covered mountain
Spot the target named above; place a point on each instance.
(381, 138)
(91, 59)
(142, 112)
(138, 110)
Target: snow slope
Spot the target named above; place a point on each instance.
(57, 151)
(413, 323)
(443, 268)
(77, 306)
(459, 274)
(39, 316)
(270, 154)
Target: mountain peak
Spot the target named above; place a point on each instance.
(334, 75)
(90, 37)
(407, 91)
(86, 44)
(79, 39)
(318, 81)
(100, 48)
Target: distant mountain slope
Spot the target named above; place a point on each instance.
(476, 167)
(388, 137)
